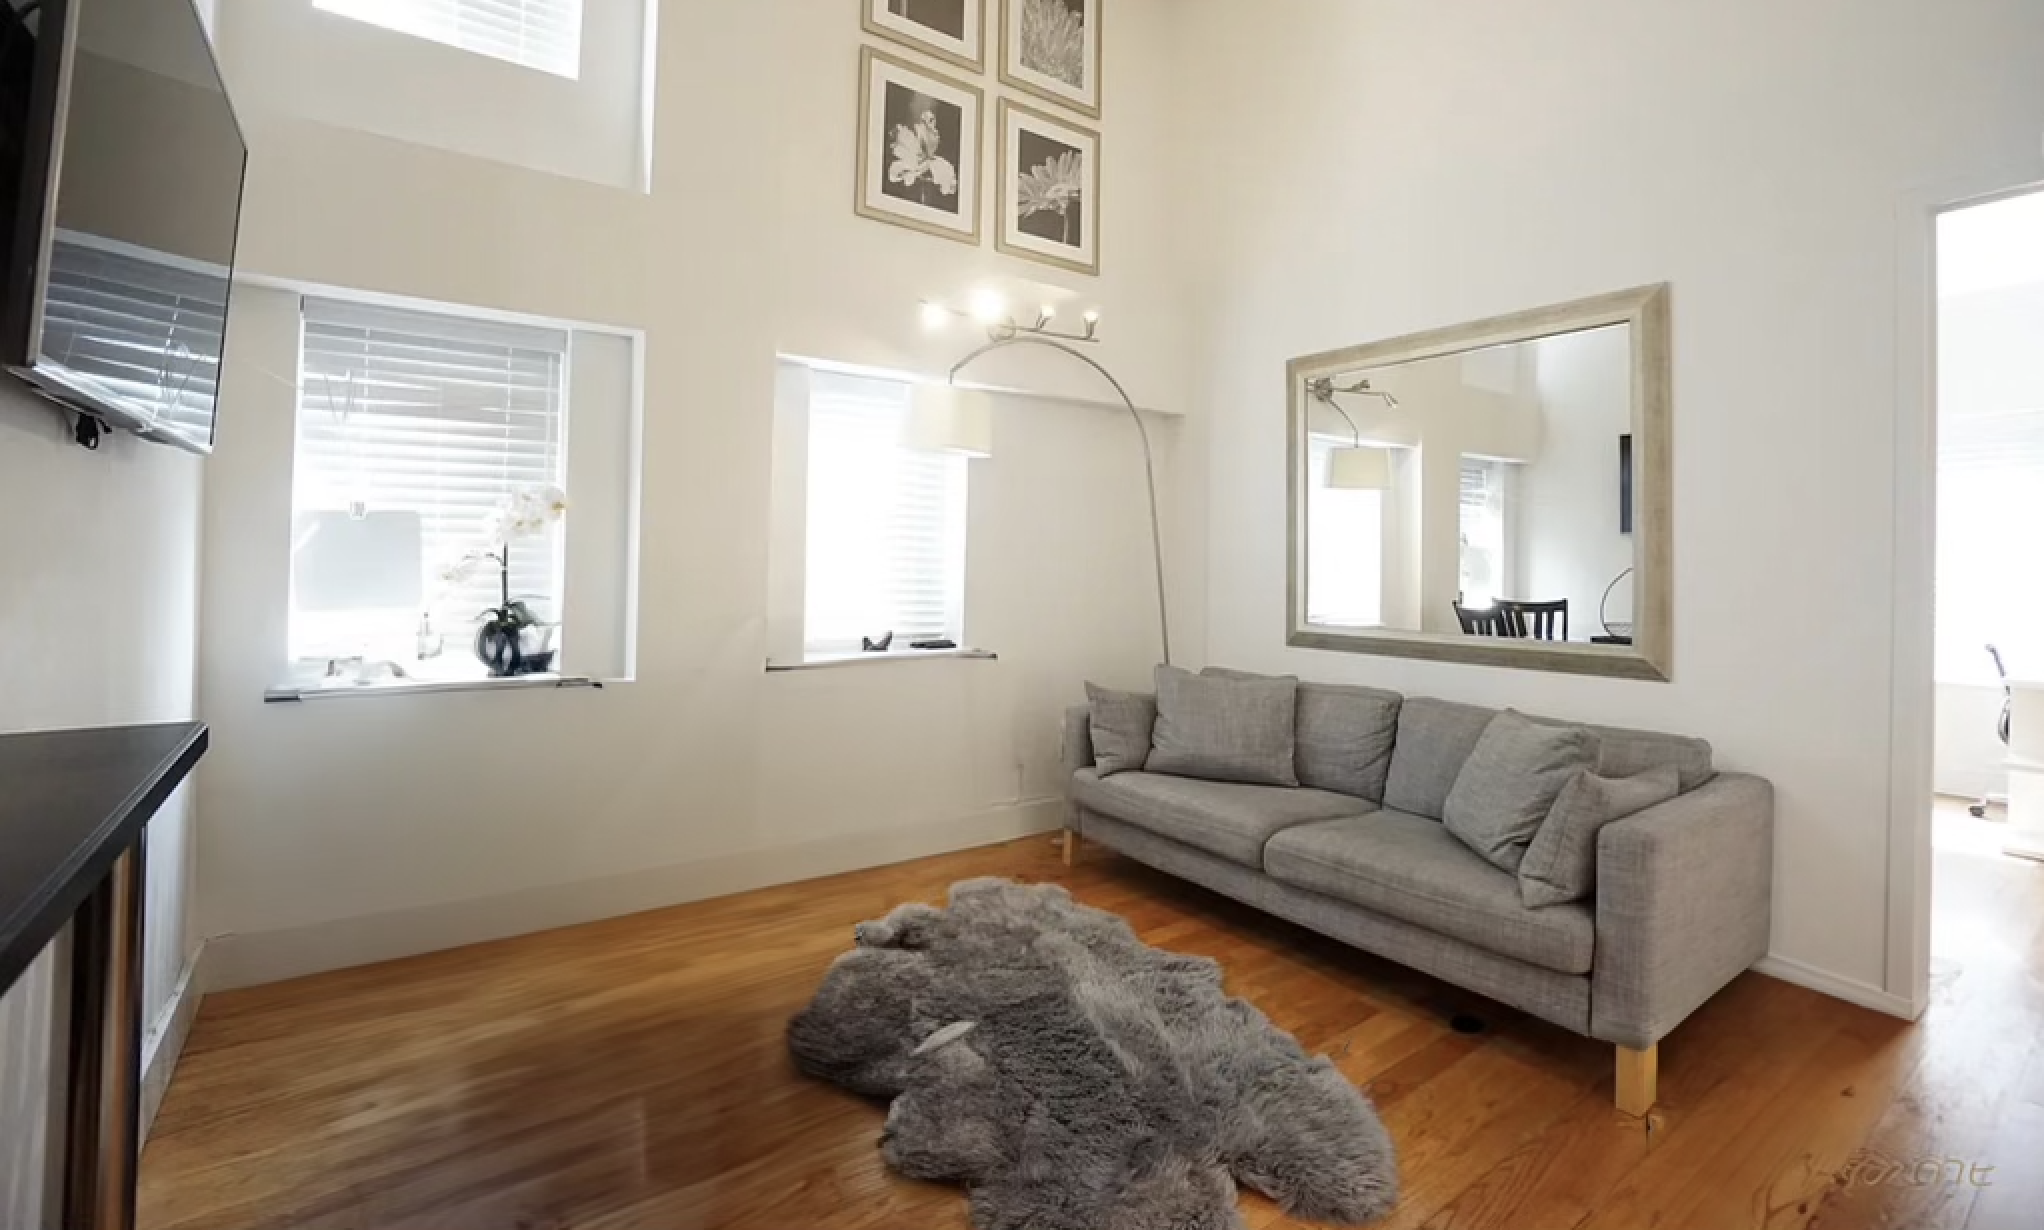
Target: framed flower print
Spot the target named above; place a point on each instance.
(949, 29)
(919, 148)
(1050, 190)
(1052, 49)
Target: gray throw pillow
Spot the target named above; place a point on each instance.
(1510, 782)
(1121, 728)
(1225, 730)
(1561, 864)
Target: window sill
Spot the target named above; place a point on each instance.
(423, 687)
(874, 659)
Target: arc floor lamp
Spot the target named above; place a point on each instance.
(944, 400)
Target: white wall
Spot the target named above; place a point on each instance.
(98, 626)
(1566, 502)
(1442, 163)
(343, 831)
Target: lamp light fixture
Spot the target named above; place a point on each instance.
(1356, 467)
(1010, 332)
(944, 418)
(990, 311)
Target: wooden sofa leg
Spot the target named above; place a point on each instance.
(1639, 1078)
(1071, 847)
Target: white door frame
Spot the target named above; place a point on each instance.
(1913, 612)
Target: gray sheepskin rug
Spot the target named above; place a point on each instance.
(1074, 1078)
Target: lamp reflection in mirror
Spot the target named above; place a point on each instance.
(1360, 468)
(1357, 467)
(944, 418)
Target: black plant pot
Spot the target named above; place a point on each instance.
(498, 645)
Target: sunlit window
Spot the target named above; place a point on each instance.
(541, 34)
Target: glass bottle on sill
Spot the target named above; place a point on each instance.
(429, 642)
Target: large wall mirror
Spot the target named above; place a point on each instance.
(1494, 493)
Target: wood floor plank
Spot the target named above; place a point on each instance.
(631, 1075)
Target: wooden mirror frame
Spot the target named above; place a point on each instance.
(1650, 656)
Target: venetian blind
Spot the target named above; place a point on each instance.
(886, 523)
(148, 330)
(443, 415)
(542, 34)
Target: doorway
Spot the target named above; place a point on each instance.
(1987, 826)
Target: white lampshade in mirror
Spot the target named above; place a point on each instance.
(1359, 469)
(944, 418)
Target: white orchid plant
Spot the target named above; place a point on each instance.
(525, 513)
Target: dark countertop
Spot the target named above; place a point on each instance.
(70, 802)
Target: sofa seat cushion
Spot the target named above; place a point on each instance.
(1413, 869)
(1229, 819)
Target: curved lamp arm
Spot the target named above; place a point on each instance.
(1142, 432)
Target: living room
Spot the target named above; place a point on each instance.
(729, 265)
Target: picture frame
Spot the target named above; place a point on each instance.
(920, 144)
(951, 30)
(1054, 49)
(1049, 208)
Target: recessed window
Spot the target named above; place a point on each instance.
(541, 34)
(417, 434)
(885, 524)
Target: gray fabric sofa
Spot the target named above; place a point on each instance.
(1358, 852)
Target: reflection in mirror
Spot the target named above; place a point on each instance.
(1482, 493)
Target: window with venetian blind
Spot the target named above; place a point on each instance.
(541, 34)
(428, 422)
(885, 523)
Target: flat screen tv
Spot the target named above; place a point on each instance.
(120, 176)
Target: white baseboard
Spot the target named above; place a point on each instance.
(272, 956)
(1850, 990)
(164, 1042)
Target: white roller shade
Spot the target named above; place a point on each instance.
(542, 34)
(886, 523)
(441, 415)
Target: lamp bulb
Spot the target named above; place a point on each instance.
(988, 308)
(1093, 316)
(935, 316)
(1048, 311)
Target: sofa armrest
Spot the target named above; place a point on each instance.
(1685, 897)
(1078, 753)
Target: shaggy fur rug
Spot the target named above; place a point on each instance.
(1075, 1079)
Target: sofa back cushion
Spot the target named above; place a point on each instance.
(1122, 725)
(1510, 782)
(1435, 738)
(1227, 730)
(1629, 753)
(1343, 736)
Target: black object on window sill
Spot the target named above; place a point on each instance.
(936, 644)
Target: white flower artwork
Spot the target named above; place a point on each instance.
(919, 148)
(947, 29)
(1052, 49)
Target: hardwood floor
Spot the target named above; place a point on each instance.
(630, 1074)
